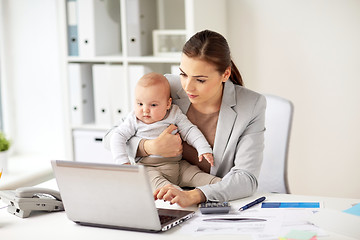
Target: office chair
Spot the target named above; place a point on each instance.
(278, 120)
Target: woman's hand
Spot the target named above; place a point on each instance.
(166, 144)
(182, 198)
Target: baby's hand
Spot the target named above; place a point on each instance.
(209, 157)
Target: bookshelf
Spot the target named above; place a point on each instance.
(115, 38)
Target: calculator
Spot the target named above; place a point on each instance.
(215, 207)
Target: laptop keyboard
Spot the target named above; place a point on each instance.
(165, 218)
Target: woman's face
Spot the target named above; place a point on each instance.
(201, 81)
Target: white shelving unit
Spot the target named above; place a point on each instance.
(189, 16)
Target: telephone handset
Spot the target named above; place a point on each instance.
(22, 201)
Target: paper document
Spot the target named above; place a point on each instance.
(337, 221)
(261, 223)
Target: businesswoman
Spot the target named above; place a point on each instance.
(210, 91)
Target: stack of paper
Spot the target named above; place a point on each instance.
(346, 223)
(261, 223)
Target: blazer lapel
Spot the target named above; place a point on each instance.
(227, 117)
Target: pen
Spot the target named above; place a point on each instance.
(249, 205)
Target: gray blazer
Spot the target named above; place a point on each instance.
(239, 140)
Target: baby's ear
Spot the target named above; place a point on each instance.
(169, 103)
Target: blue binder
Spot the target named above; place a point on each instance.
(73, 43)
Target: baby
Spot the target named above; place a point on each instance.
(153, 113)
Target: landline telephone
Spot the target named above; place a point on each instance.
(22, 201)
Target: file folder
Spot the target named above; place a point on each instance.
(98, 27)
(81, 93)
(119, 93)
(111, 94)
(101, 95)
(141, 21)
(73, 44)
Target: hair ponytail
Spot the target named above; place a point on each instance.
(235, 76)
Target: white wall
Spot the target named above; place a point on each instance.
(33, 108)
(309, 52)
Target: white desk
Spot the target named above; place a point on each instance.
(57, 226)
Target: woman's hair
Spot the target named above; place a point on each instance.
(213, 48)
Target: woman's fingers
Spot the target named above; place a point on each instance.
(175, 200)
(183, 198)
(169, 129)
(155, 194)
(160, 193)
(169, 195)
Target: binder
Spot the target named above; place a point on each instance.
(111, 94)
(135, 72)
(98, 27)
(141, 21)
(72, 25)
(101, 95)
(81, 93)
(119, 94)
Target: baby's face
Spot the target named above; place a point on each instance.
(151, 103)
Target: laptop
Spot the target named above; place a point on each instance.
(112, 196)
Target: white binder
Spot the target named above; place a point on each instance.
(141, 21)
(98, 27)
(81, 93)
(135, 72)
(110, 93)
(101, 95)
(119, 93)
